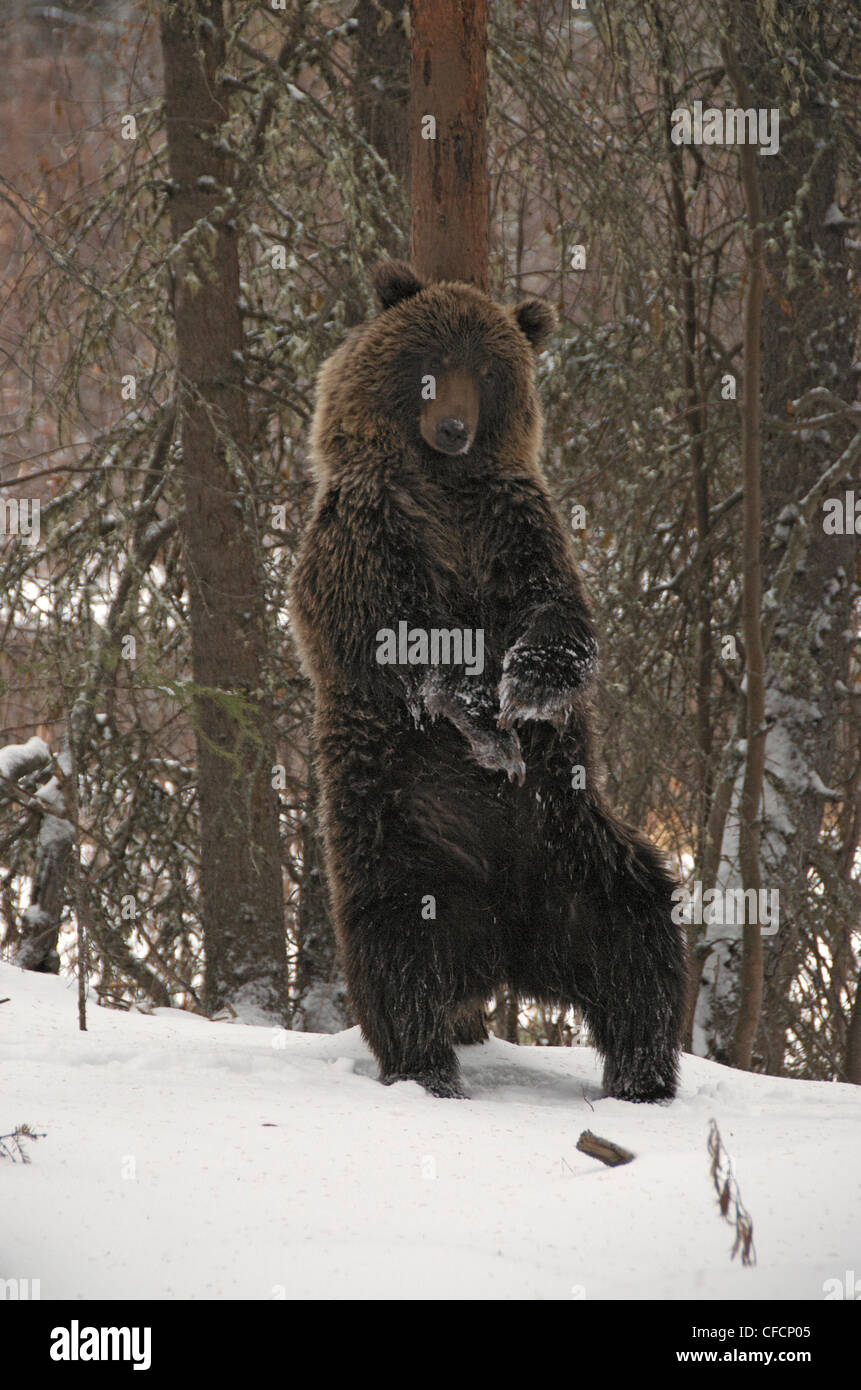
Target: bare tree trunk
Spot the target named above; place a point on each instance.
(507, 1015)
(750, 822)
(448, 132)
(382, 83)
(809, 324)
(699, 947)
(241, 887)
(321, 989)
(450, 192)
(850, 844)
(696, 418)
(853, 1040)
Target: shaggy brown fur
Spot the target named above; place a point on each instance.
(450, 878)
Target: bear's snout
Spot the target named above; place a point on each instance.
(449, 421)
(451, 435)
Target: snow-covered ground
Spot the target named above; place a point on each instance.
(189, 1159)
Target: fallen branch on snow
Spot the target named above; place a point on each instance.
(604, 1149)
(11, 1146)
(726, 1188)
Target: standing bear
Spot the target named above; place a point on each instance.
(442, 621)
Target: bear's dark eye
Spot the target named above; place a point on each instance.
(489, 378)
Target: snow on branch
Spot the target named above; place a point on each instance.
(40, 922)
(800, 532)
(19, 759)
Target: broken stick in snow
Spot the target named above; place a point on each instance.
(604, 1149)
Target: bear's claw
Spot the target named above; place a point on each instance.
(473, 711)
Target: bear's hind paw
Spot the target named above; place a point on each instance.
(441, 1084)
(644, 1090)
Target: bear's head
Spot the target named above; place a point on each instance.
(442, 368)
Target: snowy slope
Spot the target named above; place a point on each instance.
(273, 1164)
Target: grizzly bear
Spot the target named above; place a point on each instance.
(443, 624)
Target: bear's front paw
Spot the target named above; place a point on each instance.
(541, 682)
(472, 709)
(497, 750)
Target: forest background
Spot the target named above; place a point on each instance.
(192, 200)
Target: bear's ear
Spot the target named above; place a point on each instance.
(395, 281)
(537, 319)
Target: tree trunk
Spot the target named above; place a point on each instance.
(750, 1004)
(321, 989)
(449, 187)
(448, 140)
(808, 329)
(697, 423)
(696, 420)
(853, 1039)
(382, 83)
(241, 889)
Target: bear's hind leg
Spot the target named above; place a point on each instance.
(469, 1023)
(401, 994)
(603, 939)
(634, 991)
(636, 1031)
